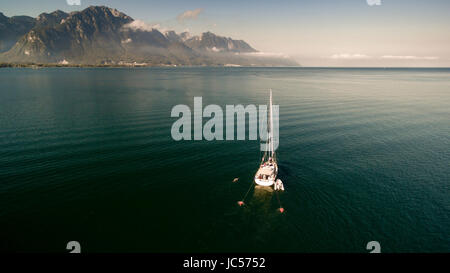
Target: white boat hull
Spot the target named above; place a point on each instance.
(266, 175)
(262, 182)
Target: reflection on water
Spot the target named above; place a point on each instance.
(262, 198)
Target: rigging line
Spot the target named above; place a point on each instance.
(245, 196)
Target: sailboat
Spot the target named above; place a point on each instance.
(268, 168)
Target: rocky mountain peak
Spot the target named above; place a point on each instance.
(99, 35)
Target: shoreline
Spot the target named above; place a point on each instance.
(57, 65)
(47, 65)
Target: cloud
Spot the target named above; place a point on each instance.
(142, 26)
(396, 57)
(265, 54)
(73, 2)
(348, 56)
(189, 14)
(373, 2)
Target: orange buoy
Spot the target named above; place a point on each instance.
(240, 203)
(281, 210)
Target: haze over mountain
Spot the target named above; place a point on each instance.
(102, 35)
(11, 29)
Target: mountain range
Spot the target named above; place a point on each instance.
(100, 35)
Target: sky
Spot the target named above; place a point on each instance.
(381, 33)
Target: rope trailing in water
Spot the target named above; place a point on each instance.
(241, 203)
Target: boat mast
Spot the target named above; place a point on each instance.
(271, 126)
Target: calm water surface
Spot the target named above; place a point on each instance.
(87, 155)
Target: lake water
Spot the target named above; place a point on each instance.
(87, 155)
